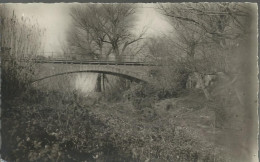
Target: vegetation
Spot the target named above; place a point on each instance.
(77, 129)
(20, 40)
(162, 121)
(210, 35)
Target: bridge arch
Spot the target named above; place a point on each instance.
(127, 76)
(137, 73)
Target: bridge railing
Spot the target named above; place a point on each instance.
(124, 60)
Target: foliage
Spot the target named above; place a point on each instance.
(20, 40)
(72, 129)
(171, 74)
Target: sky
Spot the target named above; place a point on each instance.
(55, 18)
(52, 17)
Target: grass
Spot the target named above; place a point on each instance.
(67, 127)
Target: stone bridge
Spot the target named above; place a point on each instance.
(131, 70)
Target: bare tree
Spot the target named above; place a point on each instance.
(102, 29)
(219, 21)
(208, 33)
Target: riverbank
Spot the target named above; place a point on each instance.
(74, 128)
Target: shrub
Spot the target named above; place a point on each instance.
(20, 41)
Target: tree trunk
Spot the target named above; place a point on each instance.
(117, 53)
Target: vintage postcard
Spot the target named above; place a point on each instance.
(144, 82)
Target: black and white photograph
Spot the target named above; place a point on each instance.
(129, 82)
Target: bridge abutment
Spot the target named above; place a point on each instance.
(100, 83)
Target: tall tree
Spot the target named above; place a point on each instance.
(103, 29)
(209, 34)
(222, 25)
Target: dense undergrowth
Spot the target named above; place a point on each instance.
(143, 126)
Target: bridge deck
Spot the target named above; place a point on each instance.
(47, 68)
(87, 62)
(95, 62)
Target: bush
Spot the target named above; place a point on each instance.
(62, 129)
(145, 95)
(66, 129)
(20, 41)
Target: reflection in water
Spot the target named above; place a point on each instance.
(85, 83)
